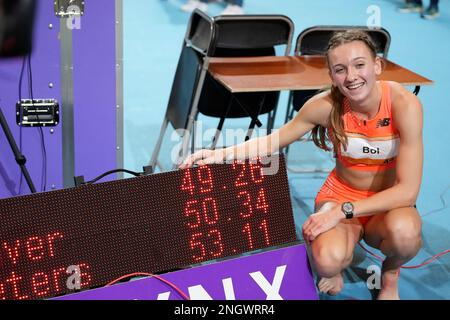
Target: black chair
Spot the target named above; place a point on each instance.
(314, 41)
(194, 91)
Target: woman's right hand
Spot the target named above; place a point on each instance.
(203, 157)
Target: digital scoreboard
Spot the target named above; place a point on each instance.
(151, 224)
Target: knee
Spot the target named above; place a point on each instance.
(404, 235)
(329, 260)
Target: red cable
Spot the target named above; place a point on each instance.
(409, 267)
(185, 297)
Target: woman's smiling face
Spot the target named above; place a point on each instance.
(353, 70)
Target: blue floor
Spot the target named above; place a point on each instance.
(153, 33)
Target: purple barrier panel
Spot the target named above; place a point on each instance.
(272, 275)
(45, 62)
(94, 81)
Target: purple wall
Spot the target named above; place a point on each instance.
(94, 98)
(45, 67)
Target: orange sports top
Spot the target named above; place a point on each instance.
(372, 144)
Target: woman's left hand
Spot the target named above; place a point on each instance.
(321, 222)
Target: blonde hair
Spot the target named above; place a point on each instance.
(320, 134)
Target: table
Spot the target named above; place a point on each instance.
(276, 73)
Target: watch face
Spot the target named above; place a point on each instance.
(348, 207)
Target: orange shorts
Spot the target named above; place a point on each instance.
(337, 191)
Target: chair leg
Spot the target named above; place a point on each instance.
(254, 119)
(194, 132)
(271, 120)
(218, 132)
(288, 108)
(221, 122)
(154, 159)
(250, 130)
(258, 123)
(289, 113)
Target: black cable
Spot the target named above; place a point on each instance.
(41, 132)
(20, 117)
(136, 174)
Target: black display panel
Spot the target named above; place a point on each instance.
(150, 224)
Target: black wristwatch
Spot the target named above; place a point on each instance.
(347, 208)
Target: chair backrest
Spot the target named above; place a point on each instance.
(199, 32)
(314, 40)
(244, 36)
(251, 32)
(195, 45)
(183, 87)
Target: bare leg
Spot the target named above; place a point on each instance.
(332, 252)
(397, 234)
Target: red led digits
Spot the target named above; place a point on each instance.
(248, 232)
(191, 210)
(216, 236)
(241, 167)
(246, 203)
(205, 178)
(261, 202)
(210, 212)
(251, 203)
(256, 172)
(263, 227)
(197, 245)
(263, 230)
(248, 171)
(203, 213)
(186, 183)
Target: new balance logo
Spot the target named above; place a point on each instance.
(383, 122)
